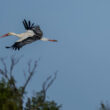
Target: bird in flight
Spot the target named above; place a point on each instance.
(33, 33)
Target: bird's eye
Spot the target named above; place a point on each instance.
(8, 33)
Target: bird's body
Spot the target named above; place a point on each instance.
(32, 34)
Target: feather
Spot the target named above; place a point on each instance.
(18, 45)
(29, 24)
(25, 24)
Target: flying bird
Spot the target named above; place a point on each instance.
(33, 33)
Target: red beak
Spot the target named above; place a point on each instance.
(53, 40)
(4, 35)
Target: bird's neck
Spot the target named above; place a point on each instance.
(17, 35)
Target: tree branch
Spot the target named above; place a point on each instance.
(4, 71)
(49, 81)
(31, 73)
(14, 61)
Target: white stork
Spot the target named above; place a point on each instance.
(32, 34)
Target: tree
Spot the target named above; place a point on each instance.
(11, 96)
(104, 106)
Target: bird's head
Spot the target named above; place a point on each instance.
(8, 34)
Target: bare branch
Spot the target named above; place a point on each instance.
(24, 74)
(4, 64)
(31, 73)
(50, 81)
(29, 66)
(4, 74)
(47, 83)
(4, 71)
(14, 61)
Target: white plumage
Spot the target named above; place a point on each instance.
(32, 34)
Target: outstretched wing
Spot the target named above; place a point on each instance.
(18, 45)
(28, 25)
(35, 28)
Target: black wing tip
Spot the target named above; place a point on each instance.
(13, 47)
(7, 47)
(27, 24)
(24, 20)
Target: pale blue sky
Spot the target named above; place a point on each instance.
(82, 55)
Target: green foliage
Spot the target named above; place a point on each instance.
(9, 97)
(38, 103)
